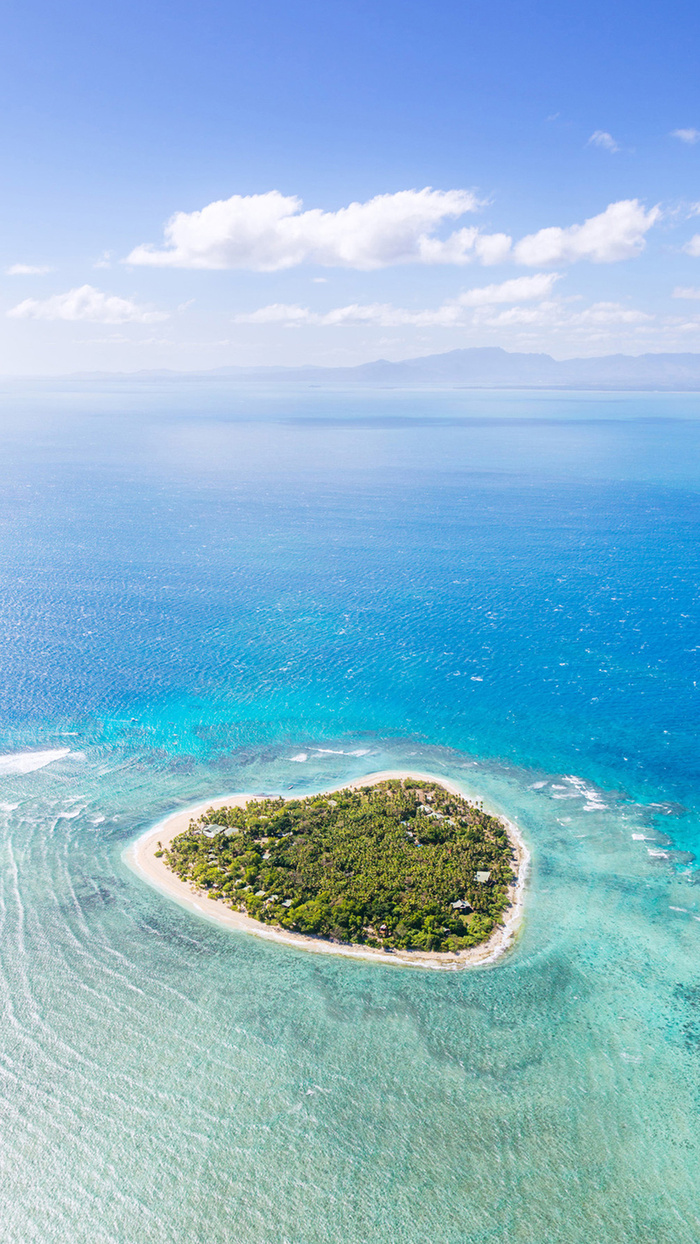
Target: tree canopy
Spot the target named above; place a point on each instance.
(392, 865)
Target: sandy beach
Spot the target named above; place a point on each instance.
(140, 856)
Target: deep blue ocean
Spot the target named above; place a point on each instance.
(207, 588)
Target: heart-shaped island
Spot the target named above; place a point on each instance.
(400, 866)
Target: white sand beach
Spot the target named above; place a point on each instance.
(141, 857)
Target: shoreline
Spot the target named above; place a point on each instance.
(140, 857)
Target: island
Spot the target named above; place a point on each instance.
(397, 865)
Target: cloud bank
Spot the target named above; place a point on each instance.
(529, 306)
(269, 232)
(690, 137)
(85, 303)
(450, 315)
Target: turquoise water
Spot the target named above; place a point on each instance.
(199, 584)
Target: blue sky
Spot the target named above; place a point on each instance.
(474, 139)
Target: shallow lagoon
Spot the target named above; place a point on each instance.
(200, 583)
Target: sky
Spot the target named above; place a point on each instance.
(192, 186)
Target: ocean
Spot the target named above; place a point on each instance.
(207, 587)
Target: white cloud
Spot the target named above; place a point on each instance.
(85, 303)
(610, 313)
(617, 233)
(682, 210)
(545, 313)
(519, 289)
(693, 246)
(477, 310)
(492, 248)
(686, 291)
(269, 232)
(601, 138)
(27, 269)
(555, 320)
(278, 313)
(450, 315)
(687, 136)
(558, 316)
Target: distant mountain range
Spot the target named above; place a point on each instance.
(483, 368)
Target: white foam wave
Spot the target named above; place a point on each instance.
(300, 758)
(335, 751)
(27, 762)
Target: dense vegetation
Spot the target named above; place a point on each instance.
(391, 865)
